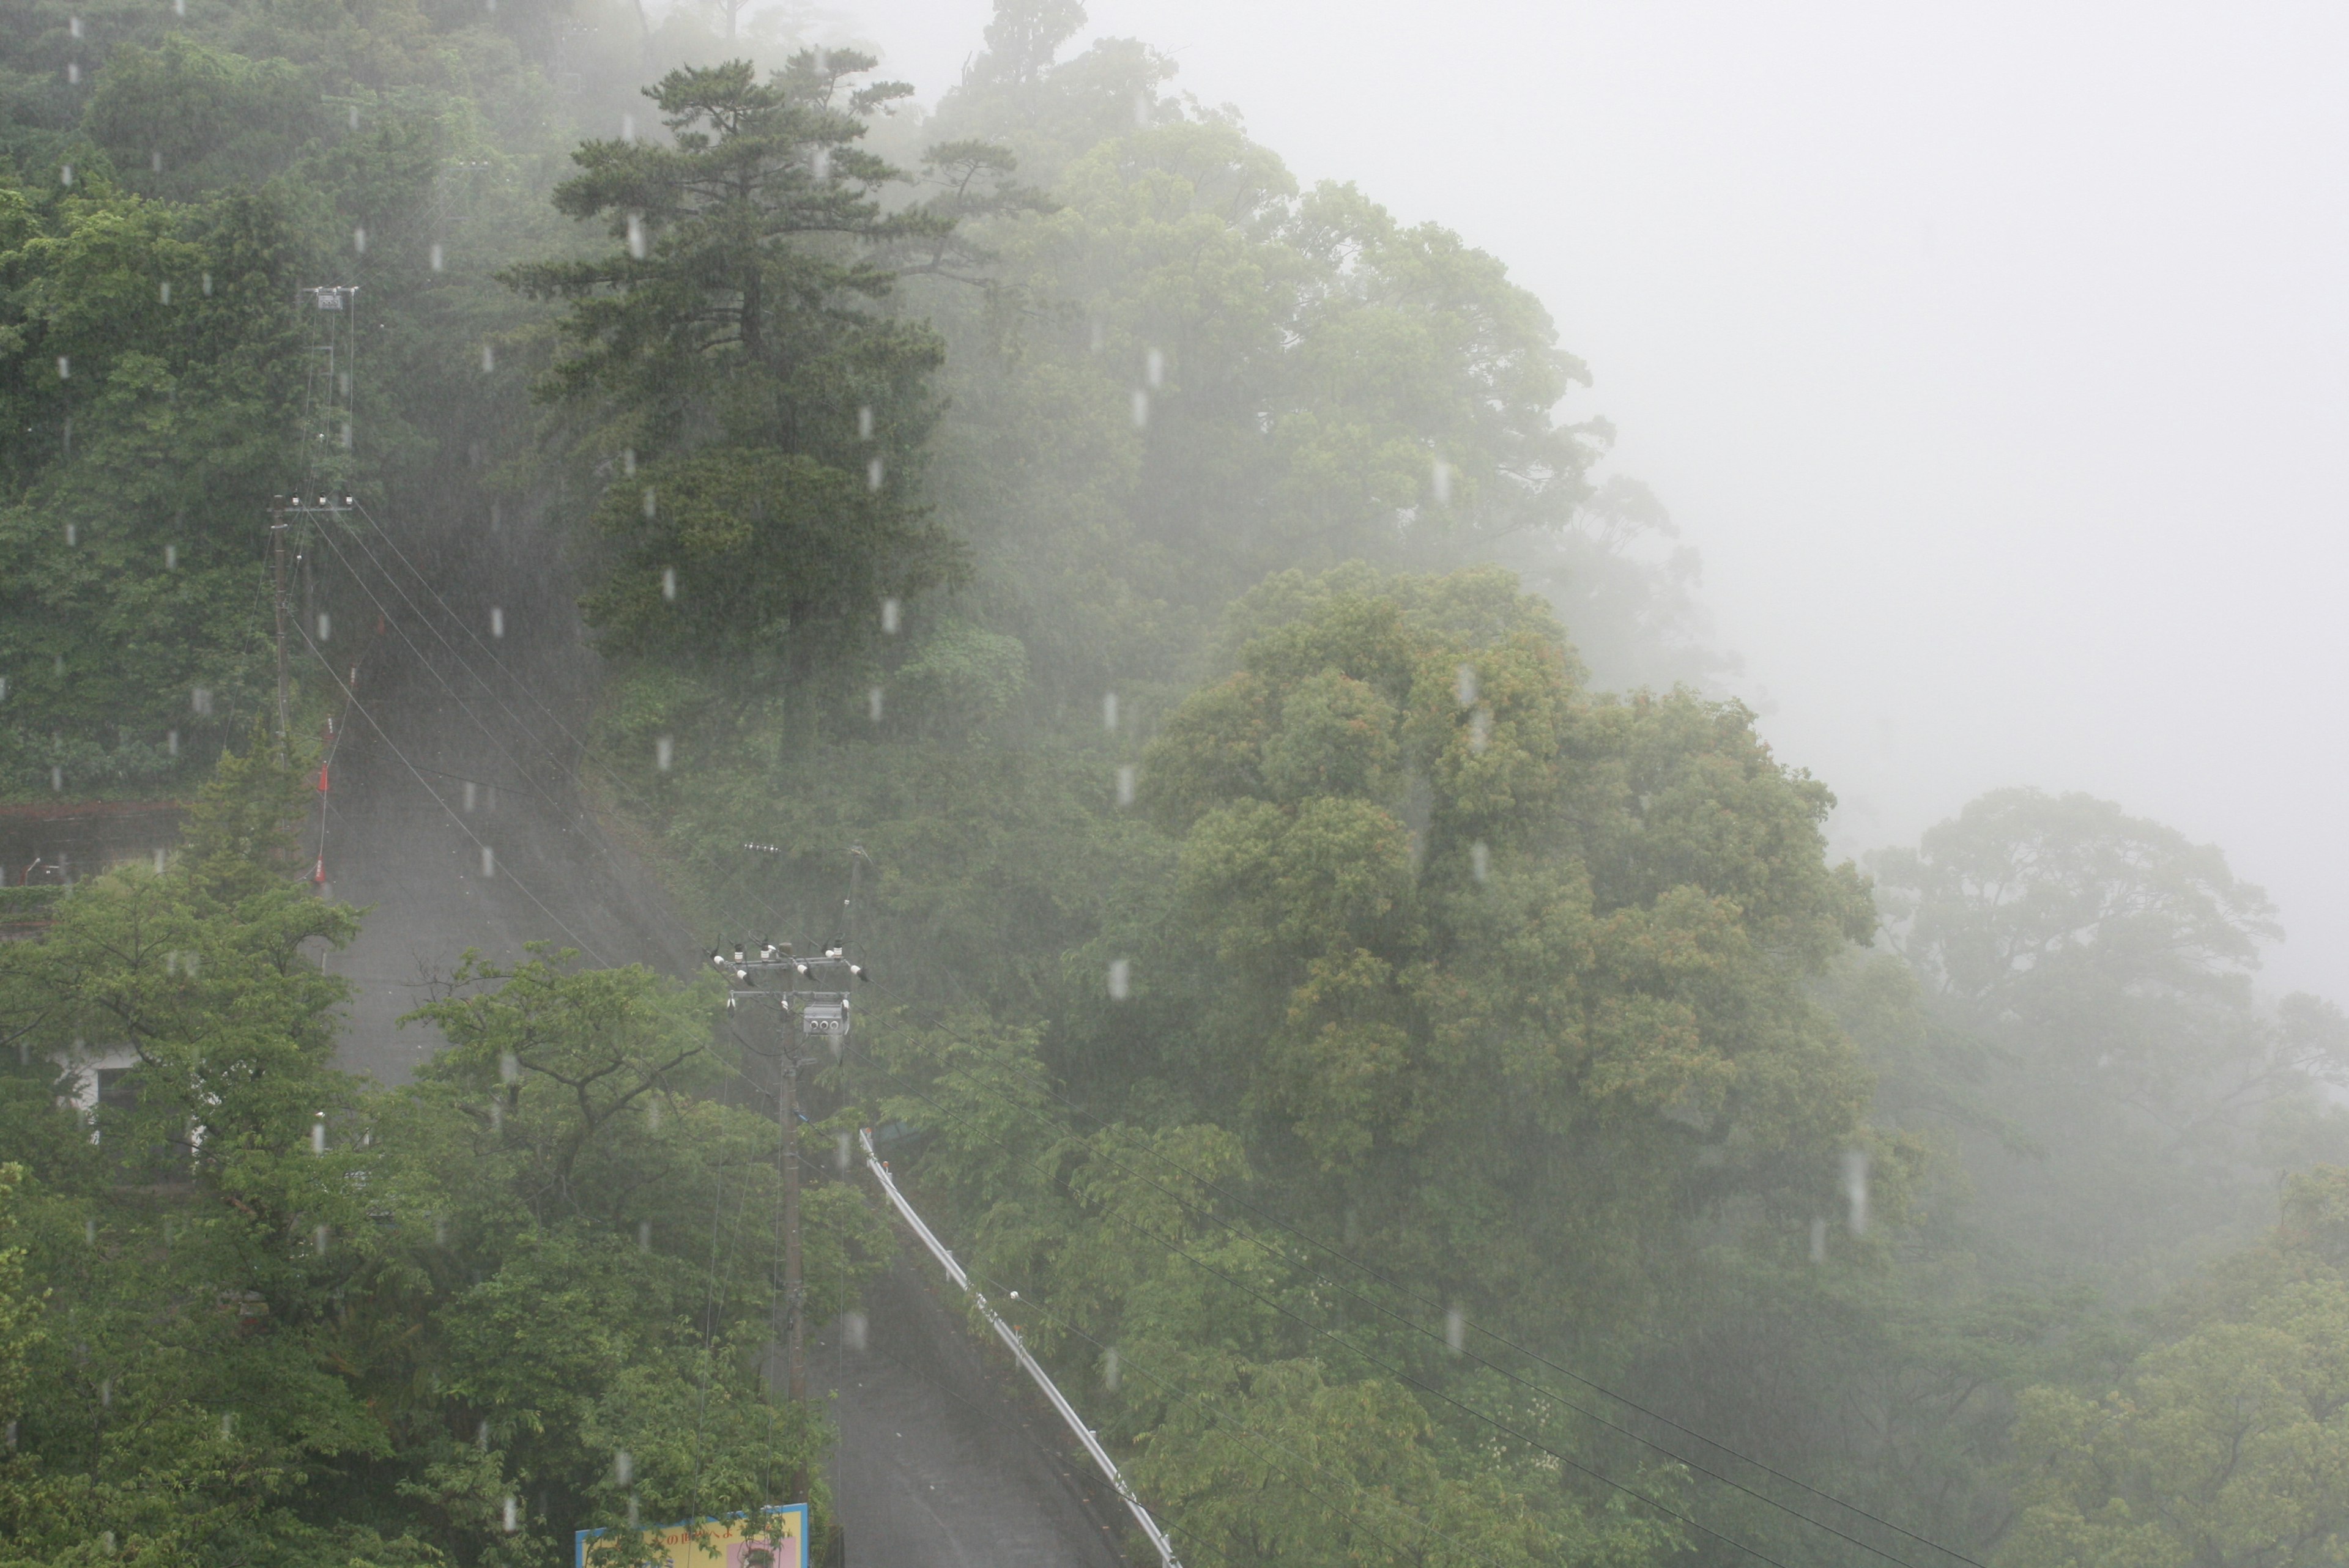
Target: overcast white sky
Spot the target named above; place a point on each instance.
(1995, 357)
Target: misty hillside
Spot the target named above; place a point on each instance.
(514, 513)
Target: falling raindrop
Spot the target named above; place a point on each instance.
(1464, 684)
(855, 1330)
(514, 1516)
(636, 246)
(325, 626)
(481, 1435)
(632, 1511)
(57, 780)
(1109, 710)
(872, 475)
(489, 862)
(73, 27)
(1819, 1241)
(65, 176)
(468, 795)
(873, 702)
(1153, 368)
(319, 1240)
(664, 753)
(73, 73)
(1480, 860)
(1141, 110)
(628, 461)
(840, 1152)
(1480, 730)
(1442, 482)
(171, 742)
(171, 557)
(624, 1467)
(318, 1136)
(864, 423)
(648, 504)
(65, 367)
(1111, 1375)
(890, 611)
(89, 1231)
(1855, 1189)
(1141, 407)
(208, 285)
(164, 293)
(627, 127)
(358, 241)
(439, 1231)
(644, 1235)
(497, 622)
(668, 584)
(439, 259)
(821, 163)
(1125, 784)
(1121, 979)
(202, 698)
(508, 1067)
(159, 862)
(1456, 1330)
(73, 534)
(488, 357)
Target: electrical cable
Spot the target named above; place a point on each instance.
(1497, 1338)
(360, 708)
(493, 738)
(487, 652)
(1664, 1509)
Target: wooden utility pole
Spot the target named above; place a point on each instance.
(794, 1285)
(277, 567)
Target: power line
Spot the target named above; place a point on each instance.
(393, 622)
(487, 652)
(1504, 1372)
(489, 855)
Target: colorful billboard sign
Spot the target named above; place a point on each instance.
(774, 1538)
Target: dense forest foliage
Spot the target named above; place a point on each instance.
(1399, 1028)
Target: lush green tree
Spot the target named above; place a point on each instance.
(2228, 1443)
(772, 416)
(2133, 1080)
(1498, 983)
(148, 354)
(272, 1316)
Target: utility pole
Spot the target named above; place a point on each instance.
(819, 986)
(277, 569)
(794, 1284)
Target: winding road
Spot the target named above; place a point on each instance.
(456, 814)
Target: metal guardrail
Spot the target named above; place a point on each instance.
(1011, 1337)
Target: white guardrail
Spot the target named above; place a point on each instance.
(1011, 1337)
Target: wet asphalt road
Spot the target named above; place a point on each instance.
(463, 742)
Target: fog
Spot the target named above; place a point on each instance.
(1031, 561)
(1995, 361)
